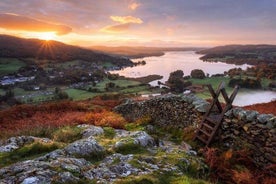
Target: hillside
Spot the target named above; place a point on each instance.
(14, 47)
(139, 52)
(241, 54)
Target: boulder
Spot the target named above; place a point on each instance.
(84, 147)
(138, 137)
(91, 130)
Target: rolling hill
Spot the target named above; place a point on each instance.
(241, 54)
(14, 47)
(139, 52)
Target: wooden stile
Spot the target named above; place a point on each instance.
(212, 119)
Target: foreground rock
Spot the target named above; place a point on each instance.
(14, 143)
(76, 161)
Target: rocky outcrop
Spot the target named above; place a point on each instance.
(84, 147)
(75, 163)
(175, 110)
(14, 143)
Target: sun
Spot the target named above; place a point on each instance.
(47, 36)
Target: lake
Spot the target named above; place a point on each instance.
(171, 61)
(187, 61)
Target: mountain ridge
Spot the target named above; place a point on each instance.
(15, 47)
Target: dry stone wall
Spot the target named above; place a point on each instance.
(240, 128)
(178, 111)
(250, 130)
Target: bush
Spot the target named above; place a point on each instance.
(105, 118)
(197, 74)
(245, 83)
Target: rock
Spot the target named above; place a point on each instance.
(92, 131)
(241, 115)
(84, 147)
(14, 143)
(31, 180)
(143, 139)
(122, 169)
(236, 111)
(246, 127)
(67, 177)
(263, 118)
(251, 115)
(200, 105)
(229, 113)
(52, 155)
(139, 137)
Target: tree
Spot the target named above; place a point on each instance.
(176, 81)
(197, 74)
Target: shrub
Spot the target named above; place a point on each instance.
(105, 118)
(197, 74)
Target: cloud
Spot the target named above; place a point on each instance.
(126, 19)
(11, 21)
(116, 28)
(134, 6)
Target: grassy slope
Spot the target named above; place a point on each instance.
(10, 65)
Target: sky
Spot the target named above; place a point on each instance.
(170, 23)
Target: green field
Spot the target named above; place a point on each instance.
(10, 65)
(77, 94)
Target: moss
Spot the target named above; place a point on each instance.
(138, 180)
(109, 132)
(129, 147)
(27, 152)
(67, 134)
(133, 127)
(162, 178)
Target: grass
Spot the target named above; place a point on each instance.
(121, 83)
(162, 178)
(130, 148)
(109, 132)
(78, 94)
(10, 65)
(27, 152)
(67, 134)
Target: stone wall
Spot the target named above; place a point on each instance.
(251, 130)
(178, 111)
(240, 128)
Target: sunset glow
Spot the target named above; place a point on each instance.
(47, 36)
(141, 22)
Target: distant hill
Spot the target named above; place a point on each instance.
(139, 52)
(14, 47)
(241, 54)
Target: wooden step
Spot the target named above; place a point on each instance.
(211, 120)
(206, 133)
(208, 126)
(202, 139)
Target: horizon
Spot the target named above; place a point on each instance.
(136, 23)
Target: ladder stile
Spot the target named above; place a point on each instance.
(206, 135)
